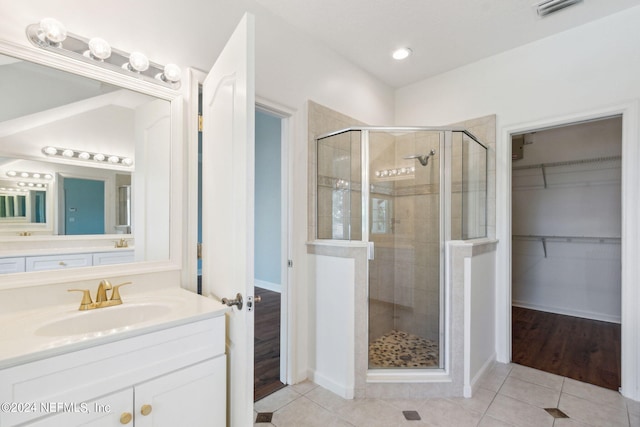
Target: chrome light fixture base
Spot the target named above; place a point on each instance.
(548, 7)
(78, 47)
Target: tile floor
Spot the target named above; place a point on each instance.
(508, 395)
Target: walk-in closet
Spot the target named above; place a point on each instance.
(566, 270)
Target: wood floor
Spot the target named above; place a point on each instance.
(267, 344)
(583, 349)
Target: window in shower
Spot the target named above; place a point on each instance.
(381, 211)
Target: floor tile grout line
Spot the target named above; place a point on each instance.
(560, 395)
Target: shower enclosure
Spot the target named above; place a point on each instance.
(404, 192)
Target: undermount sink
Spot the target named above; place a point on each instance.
(103, 320)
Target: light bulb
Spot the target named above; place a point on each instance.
(50, 151)
(127, 161)
(21, 184)
(98, 157)
(53, 30)
(84, 155)
(137, 62)
(171, 73)
(48, 176)
(114, 159)
(36, 175)
(31, 184)
(67, 153)
(99, 48)
(12, 173)
(24, 175)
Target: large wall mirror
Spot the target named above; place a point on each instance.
(85, 168)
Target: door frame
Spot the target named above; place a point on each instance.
(630, 248)
(285, 115)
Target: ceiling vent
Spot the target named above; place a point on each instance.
(550, 6)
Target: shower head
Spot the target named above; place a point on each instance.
(423, 158)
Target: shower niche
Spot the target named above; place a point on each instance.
(402, 193)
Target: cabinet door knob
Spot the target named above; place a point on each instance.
(126, 418)
(145, 410)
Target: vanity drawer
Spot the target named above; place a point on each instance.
(12, 265)
(58, 262)
(117, 257)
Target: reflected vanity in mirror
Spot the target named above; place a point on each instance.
(84, 171)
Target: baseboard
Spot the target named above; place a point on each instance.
(274, 287)
(332, 386)
(470, 389)
(568, 312)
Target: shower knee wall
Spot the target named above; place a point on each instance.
(339, 360)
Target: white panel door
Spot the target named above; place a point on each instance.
(228, 108)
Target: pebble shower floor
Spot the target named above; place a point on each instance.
(398, 349)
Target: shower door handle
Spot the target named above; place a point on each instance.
(371, 253)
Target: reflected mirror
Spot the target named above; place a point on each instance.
(82, 158)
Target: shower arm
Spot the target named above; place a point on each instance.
(422, 158)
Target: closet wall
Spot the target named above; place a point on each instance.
(566, 215)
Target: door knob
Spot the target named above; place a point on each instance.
(231, 302)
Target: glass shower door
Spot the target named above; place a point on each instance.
(405, 292)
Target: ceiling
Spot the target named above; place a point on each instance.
(443, 34)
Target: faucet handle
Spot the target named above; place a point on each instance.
(115, 293)
(86, 297)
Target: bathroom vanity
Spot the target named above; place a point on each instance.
(158, 359)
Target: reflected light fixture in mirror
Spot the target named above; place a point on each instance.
(51, 35)
(68, 153)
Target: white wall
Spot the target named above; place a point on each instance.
(584, 72)
(333, 359)
(479, 280)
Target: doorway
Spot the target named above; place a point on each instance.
(566, 250)
(271, 244)
(83, 206)
(270, 249)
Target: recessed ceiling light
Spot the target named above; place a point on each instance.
(401, 53)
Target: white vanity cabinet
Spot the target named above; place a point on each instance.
(169, 377)
(58, 262)
(64, 261)
(12, 265)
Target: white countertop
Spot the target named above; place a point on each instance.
(21, 342)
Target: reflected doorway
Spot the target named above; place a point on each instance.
(83, 206)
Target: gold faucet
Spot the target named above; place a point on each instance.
(101, 296)
(122, 243)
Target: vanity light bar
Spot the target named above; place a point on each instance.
(32, 185)
(30, 175)
(67, 153)
(12, 189)
(51, 35)
(397, 172)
